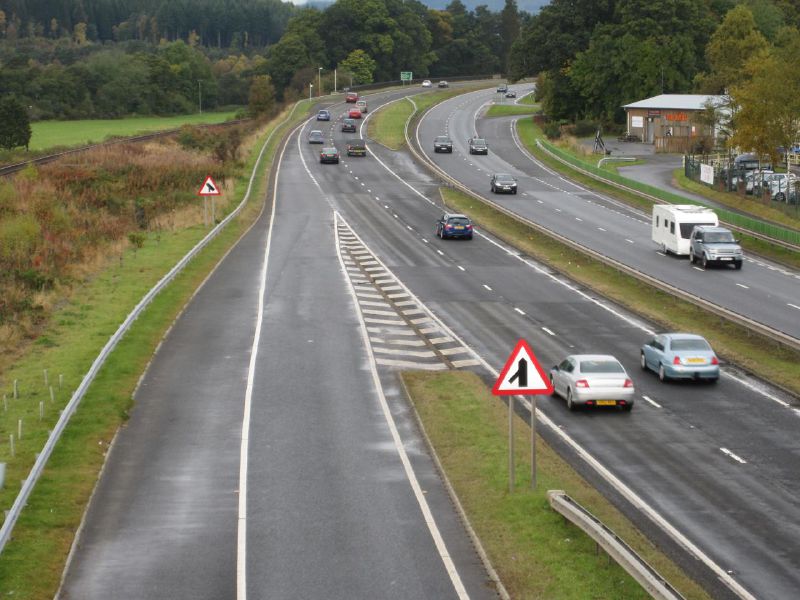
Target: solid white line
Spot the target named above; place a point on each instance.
(741, 285)
(412, 477)
(733, 456)
(522, 312)
(698, 269)
(241, 537)
(793, 305)
(651, 401)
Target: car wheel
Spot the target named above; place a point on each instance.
(493, 190)
(737, 265)
(713, 380)
(643, 362)
(469, 237)
(692, 258)
(514, 192)
(553, 385)
(662, 374)
(705, 261)
(570, 403)
(628, 407)
(780, 197)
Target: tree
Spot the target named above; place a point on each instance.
(360, 65)
(509, 30)
(734, 42)
(15, 125)
(262, 96)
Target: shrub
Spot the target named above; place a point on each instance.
(585, 128)
(552, 130)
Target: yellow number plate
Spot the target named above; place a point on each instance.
(696, 361)
(606, 403)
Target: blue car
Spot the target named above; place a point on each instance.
(680, 356)
(323, 115)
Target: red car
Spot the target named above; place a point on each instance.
(351, 97)
(355, 113)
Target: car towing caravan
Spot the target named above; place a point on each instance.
(673, 224)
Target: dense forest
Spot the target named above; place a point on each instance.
(109, 58)
(594, 56)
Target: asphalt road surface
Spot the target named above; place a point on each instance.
(762, 291)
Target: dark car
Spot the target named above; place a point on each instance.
(478, 146)
(351, 97)
(502, 183)
(348, 125)
(443, 84)
(323, 115)
(443, 143)
(329, 155)
(451, 225)
(315, 136)
(356, 148)
(502, 88)
(511, 94)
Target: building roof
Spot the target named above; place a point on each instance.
(677, 102)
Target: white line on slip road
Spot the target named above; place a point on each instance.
(487, 287)
(424, 240)
(438, 540)
(601, 229)
(629, 241)
(440, 252)
(661, 253)
(395, 216)
(540, 202)
(409, 228)
(651, 401)
(698, 269)
(558, 210)
(546, 330)
(385, 206)
(733, 456)
(522, 312)
(460, 267)
(793, 305)
(578, 219)
(741, 285)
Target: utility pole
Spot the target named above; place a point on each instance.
(319, 81)
(199, 97)
(334, 81)
(310, 87)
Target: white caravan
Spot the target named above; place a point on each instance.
(673, 224)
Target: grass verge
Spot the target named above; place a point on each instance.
(529, 132)
(536, 553)
(31, 564)
(508, 110)
(50, 134)
(389, 122)
(736, 344)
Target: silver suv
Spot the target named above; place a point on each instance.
(714, 245)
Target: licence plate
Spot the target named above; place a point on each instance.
(696, 361)
(725, 258)
(458, 227)
(606, 403)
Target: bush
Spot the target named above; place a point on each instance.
(585, 128)
(552, 130)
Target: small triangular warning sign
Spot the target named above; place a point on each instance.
(209, 188)
(522, 374)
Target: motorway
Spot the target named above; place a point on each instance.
(356, 288)
(761, 291)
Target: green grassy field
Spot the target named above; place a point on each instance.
(388, 124)
(50, 134)
(536, 553)
(529, 99)
(507, 110)
(31, 564)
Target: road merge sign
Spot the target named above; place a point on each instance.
(522, 374)
(209, 188)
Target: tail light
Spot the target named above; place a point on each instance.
(714, 360)
(582, 383)
(469, 226)
(628, 383)
(676, 360)
(448, 226)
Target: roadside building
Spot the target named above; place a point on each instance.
(671, 121)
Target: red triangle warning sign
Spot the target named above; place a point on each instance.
(522, 374)
(209, 188)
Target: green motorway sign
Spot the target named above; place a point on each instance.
(406, 76)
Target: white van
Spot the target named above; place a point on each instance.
(673, 224)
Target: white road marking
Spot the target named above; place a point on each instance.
(741, 285)
(405, 352)
(437, 366)
(578, 219)
(793, 305)
(629, 241)
(601, 229)
(460, 267)
(733, 456)
(522, 312)
(545, 329)
(651, 401)
(440, 340)
(440, 252)
(487, 287)
(698, 269)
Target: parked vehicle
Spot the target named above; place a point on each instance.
(756, 180)
(680, 356)
(783, 187)
(592, 380)
(629, 137)
(673, 223)
(714, 245)
(451, 225)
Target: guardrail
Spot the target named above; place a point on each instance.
(653, 583)
(788, 238)
(754, 326)
(42, 458)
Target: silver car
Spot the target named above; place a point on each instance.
(315, 136)
(680, 356)
(592, 380)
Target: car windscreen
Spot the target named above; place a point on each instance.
(458, 221)
(718, 237)
(678, 345)
(601, 366)
(357, 143)
(478, 142)
(443, 139)
(504, 178)
(686, 229)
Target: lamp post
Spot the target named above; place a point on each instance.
(319, 81)
(310, 87)
(199, 97)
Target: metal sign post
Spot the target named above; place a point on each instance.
(521, 375)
